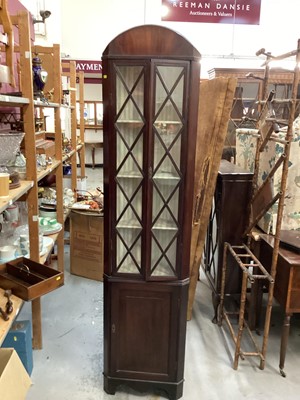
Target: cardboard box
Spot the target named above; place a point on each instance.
(86, 244)
(14, 380)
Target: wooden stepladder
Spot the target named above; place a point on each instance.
(263, 198)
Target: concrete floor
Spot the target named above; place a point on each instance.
(70, 365)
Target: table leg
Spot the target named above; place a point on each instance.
(36, 324)
(284, 341)
(93, 156)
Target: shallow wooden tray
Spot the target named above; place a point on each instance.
(28, 279)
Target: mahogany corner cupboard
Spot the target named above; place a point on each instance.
(151, 78)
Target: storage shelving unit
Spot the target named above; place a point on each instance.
(75, 83)
(29, 108)
(51, 62)
(81, 145)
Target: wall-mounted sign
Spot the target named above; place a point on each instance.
(88, 66)
(212, 11)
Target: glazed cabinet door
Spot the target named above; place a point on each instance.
(130, 141)
(166, 181)
(148, 142)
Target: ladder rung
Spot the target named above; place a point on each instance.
(279, 101)
(262, 277)
(278, 140)
(251, 265)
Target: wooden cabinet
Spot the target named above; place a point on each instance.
(227, 224)
(150, 95)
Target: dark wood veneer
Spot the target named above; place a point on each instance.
(227, 224)
(144, 312)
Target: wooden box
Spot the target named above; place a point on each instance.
(28, 279)
(86, 244)
(44, 146)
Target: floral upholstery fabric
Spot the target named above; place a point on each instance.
(245, 156)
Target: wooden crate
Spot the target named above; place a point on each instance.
(28, 279)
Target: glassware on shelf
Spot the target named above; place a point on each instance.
(10, 145)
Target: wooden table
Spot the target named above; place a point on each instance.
(93, 146)
(6, 325)
(287, 285)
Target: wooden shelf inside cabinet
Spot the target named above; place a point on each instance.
(15, 194)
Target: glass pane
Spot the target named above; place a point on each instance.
(78, 113)
(168, 130)
(163, 257)
(130, 125)
(130, 154)
(89, 113)
(128, 255)
(169, 89)
(130, 89)
(99, 113)
(129, 203)
(165, 202)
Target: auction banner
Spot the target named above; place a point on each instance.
(212, 11)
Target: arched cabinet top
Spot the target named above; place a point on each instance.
(149, 41)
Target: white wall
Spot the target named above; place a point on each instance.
(53, 23)
(85, 28)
